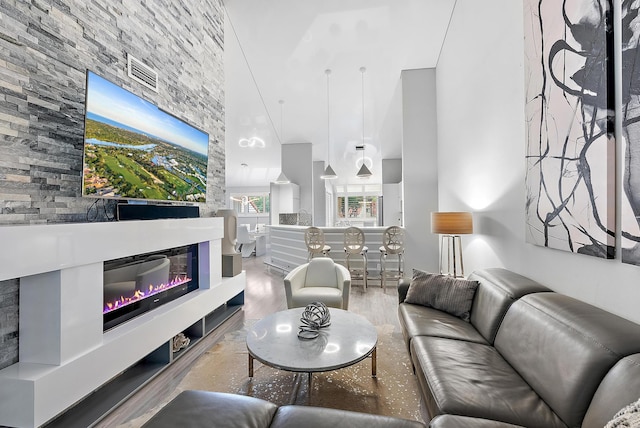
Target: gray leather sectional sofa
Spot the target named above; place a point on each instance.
(528, 357)
(200, 409)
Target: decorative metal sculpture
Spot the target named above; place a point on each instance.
(314, 317)
(180, 341)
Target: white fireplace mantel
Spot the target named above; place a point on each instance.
(29, 250)
(64, 354)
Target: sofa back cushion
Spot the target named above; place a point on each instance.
(498, 289)
(563, 348)
(620, 387)
(295, 416)
(193, 408)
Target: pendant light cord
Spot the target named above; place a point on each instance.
(362, 70)
(364, 171)
(253, 77)
(281, 115)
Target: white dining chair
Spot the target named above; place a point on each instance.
(245, 241)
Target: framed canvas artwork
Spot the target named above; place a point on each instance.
(630, 200)
(570, 146)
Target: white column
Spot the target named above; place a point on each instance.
(419, 168)
(209, 264)
(60, 314)
(297, 165)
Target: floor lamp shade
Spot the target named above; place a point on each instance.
(451, 225)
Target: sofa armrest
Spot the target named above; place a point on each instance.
(403, 287)
(294, 281)
(344, 283)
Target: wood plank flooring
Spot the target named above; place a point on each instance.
(264, 295)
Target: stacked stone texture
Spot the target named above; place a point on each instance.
(46, 47)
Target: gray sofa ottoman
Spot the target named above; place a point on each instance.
(528, 357)
(200, 409)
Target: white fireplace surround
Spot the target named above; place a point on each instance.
(64, 354)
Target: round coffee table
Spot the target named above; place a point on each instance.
(349, 339)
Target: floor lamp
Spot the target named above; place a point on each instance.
(450, 225)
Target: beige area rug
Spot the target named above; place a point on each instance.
(394, 392)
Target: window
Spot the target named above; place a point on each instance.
(357, 205)
(251, 204)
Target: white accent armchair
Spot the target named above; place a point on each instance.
(320, 280)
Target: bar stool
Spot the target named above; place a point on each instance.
(392, 244)
(354, 244)
(314, 239)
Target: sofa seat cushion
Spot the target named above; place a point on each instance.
(455, 421)
(318, 417)
(200, 409)
(472, 379)
(330, 296)
(419, 320)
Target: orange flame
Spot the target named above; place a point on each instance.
(140, 294)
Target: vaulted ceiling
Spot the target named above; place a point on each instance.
(279, 50)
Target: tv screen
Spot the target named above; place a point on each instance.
(134, 150)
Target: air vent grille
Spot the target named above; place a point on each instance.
(142, 73)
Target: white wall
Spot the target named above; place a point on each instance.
(481, 147)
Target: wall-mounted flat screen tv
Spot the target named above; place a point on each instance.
(134, 150)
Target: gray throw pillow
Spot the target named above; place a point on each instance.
(446, 293)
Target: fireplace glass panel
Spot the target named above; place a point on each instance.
(134, 285)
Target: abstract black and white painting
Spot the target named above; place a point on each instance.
(570, 154)
(630, 200)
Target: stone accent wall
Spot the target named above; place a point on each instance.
(46, 46)
(8, 322)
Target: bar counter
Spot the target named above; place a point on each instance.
(289, 250)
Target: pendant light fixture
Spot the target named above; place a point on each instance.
(329, 173)
(364, 172)
(282, 179)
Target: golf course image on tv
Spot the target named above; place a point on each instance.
(134, 150)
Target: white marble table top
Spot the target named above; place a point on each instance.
(274, 341)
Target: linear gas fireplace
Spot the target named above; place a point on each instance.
(137, 284)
